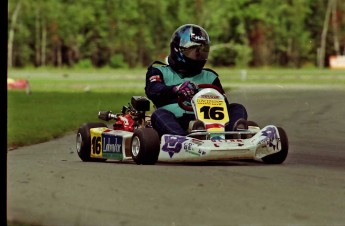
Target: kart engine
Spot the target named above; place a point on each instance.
(140, 103)
(131, 117)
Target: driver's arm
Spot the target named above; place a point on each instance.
(156, 90)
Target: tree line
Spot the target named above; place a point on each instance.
(133, 33)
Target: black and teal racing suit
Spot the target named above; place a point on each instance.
(168, 117)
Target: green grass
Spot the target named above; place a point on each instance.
(42, 116)
(62, 99)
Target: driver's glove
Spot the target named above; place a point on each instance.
(187, 89)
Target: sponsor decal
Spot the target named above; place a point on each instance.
(199, 153)
(109, 155)
(197, 37)
(271, 139)
(188, 147)
(215, 126)
(112, 144)
(216, 138)
(197, 141)
(209, 96)
(228, 141)
(124, 120)
(209, 101)
(155, 78)
(173, 144)
(238, 141)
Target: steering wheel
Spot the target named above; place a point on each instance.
(181, 99)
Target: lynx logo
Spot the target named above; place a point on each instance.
(112, 144)
(173, 144)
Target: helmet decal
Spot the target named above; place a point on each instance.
(196, 38)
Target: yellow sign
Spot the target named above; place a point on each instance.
(212, 110)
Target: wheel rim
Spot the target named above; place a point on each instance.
(79, 142)
(135, 146)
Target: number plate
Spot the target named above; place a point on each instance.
(212, 110)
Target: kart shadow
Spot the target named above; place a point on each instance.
(206, 163)
(215, 163)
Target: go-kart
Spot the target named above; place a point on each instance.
(132, 137)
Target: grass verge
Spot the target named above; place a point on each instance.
(42, 116)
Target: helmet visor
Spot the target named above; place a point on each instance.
(196, 52)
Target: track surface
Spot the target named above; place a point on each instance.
(49, 185)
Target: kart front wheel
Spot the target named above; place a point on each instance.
(83, 141)
(279, 157)
(145, 146)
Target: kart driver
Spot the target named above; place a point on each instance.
(189, 49)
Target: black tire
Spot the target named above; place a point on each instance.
(145, 146)
(252, 123)
(198, 125)
(83, 141)
(279, 157)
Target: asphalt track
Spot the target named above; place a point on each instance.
(49, 185)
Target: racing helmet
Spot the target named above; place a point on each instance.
(189, 48)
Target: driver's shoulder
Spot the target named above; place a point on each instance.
(157, 64)
(163, 68)
(156, 68)
(210, 71)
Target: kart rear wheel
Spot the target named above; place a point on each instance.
(279, 157)
(83, 141)
(252, 123)
(145, 146)
(199, 125)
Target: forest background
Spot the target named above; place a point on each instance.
(134, 33)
